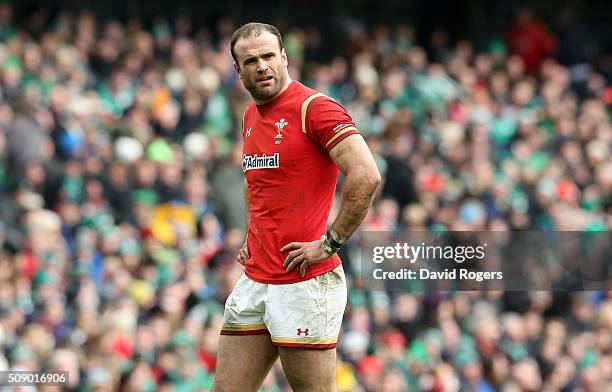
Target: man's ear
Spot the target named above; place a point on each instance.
(237, 69)
(284, 57)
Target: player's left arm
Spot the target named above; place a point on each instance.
(355, 161)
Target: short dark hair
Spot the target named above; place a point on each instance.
(254, 29)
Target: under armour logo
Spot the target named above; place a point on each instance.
(299, 332)
(249, 131)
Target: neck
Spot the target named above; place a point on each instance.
(285, 85)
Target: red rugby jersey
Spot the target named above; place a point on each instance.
(291, 177)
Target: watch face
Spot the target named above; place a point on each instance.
(327, 247)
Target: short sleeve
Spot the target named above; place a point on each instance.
(327, 122)
(244, 120)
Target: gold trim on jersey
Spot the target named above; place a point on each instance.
(305, 108)
(340, 133)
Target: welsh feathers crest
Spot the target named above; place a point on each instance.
(279, 130)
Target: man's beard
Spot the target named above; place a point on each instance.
(265, 93)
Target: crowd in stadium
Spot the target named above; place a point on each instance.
(122, 211)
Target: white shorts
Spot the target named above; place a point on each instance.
(305, 314)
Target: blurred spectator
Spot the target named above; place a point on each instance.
(530, 39)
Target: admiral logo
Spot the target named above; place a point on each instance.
(252, 162)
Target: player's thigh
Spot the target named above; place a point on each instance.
(245, 352)
(304, 320)
(309, 370)
(243, 362)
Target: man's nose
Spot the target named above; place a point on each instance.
(262, 66)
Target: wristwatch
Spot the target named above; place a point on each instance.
(336, 237)
(332, 242)
(327, 246)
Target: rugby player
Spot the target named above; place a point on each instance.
(291, 299)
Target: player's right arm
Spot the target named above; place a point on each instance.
(243, 254)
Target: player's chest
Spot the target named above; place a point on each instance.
(272, 145)
(270, 134)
